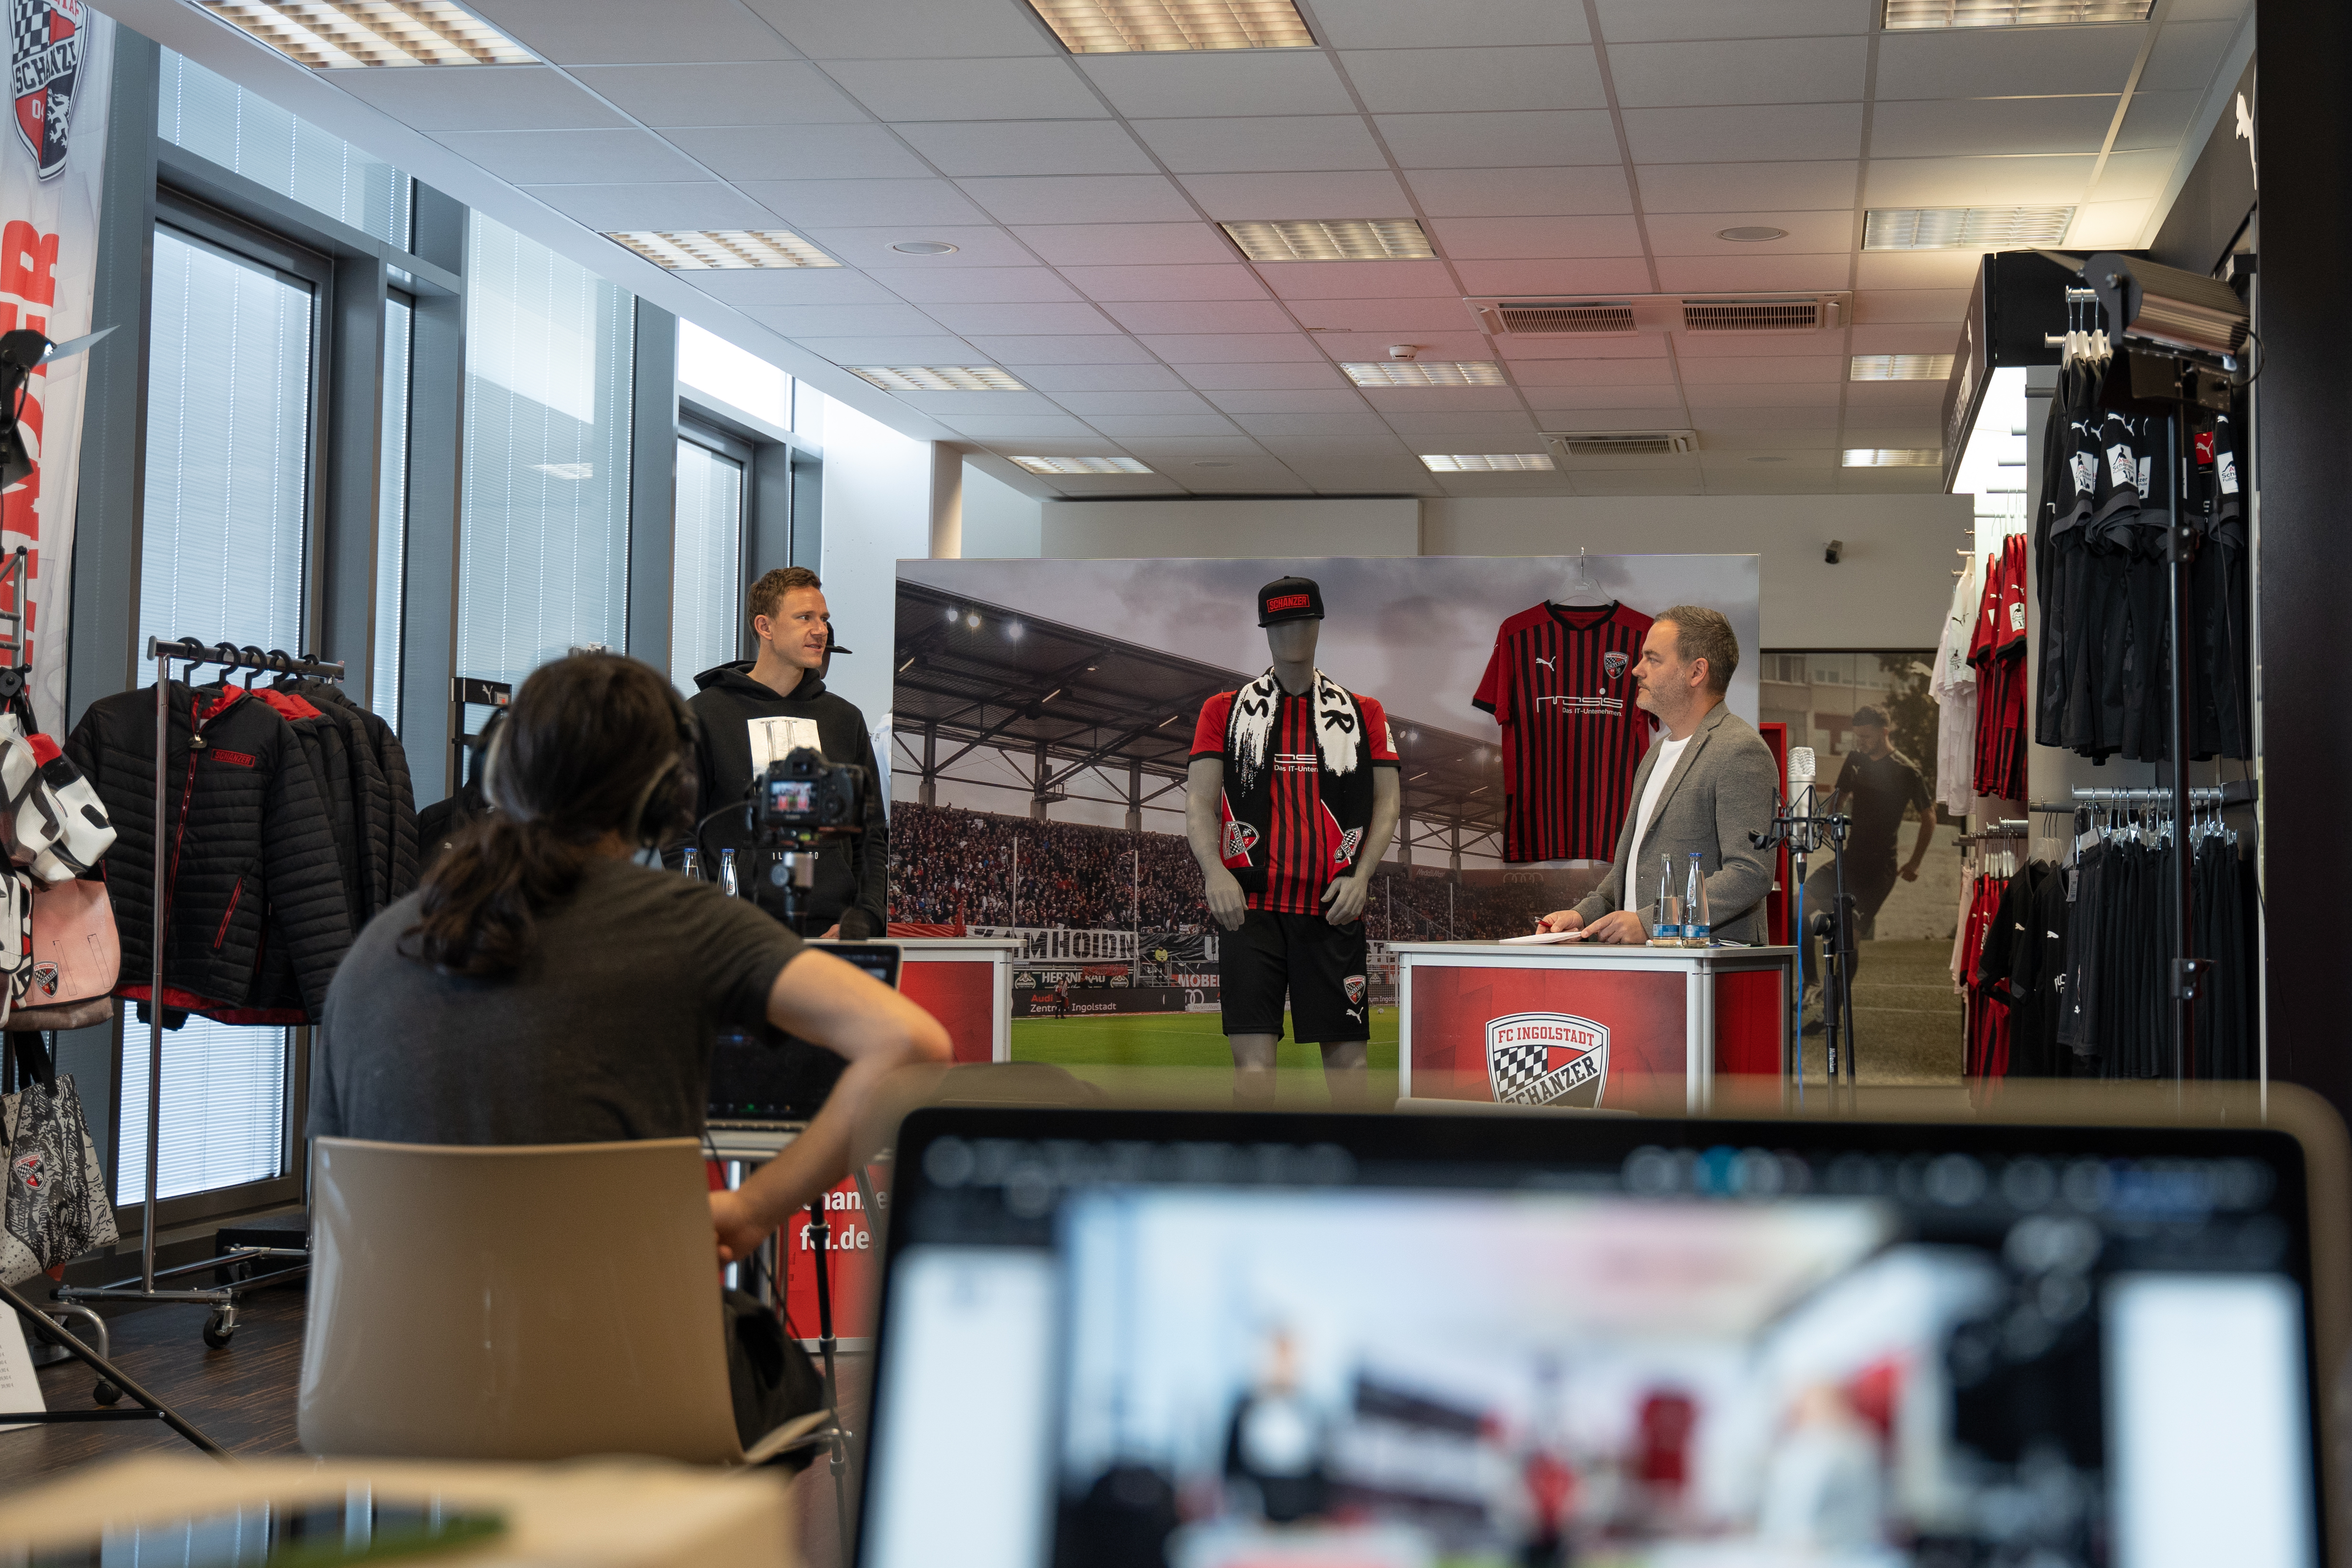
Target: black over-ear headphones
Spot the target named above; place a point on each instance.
(668, 803)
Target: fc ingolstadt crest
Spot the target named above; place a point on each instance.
(1541, 1059)
(45, 38)
(1613, 663)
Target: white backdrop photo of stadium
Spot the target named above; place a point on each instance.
(1040, 723)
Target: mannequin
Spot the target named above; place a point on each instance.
(1291, 799)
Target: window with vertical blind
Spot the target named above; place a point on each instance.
(392, 509)
(544, 541)
(707, 577)
(231, 355)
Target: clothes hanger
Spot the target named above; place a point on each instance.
(1584, 590)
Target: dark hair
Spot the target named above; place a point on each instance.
(1871, 715)
(585, 744)
(1705, 633)
(768, 593)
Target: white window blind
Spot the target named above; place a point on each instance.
(214, 118)
(391, 511)
(545, 540)
(228, 427)
(707, 574)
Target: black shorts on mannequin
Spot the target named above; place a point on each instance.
(1319, 965)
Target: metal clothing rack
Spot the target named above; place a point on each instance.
(471, 691)
(222, 1322)
(2239, 792)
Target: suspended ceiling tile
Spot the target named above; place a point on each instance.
(974, 320)
(1163, 427)
(793, 286)
(842, 203)
(1699, 234)
(1413, 24)
(1117, 244)
(479, 98)
(2136, 175)
(1275, 401)
(1615, 275)
(1554, 405)
(2186, 53)
(572, 157)
(758, 92)
(1385, 315)
(1080, 198)
(1061, 378)
(1636, 484)
(1874, 307)
(883, 29)
(612, 209)
(1203, 316)
(1771, 133)
(1536, 238)
(1056, 349)
(1918, 269)
(1199, 281)
(1753, 274)
(2057, 179)
(1921, 435)
(1521, 193)
(1262, 143)
(1642, 21)
(623, 32)
(1419, 429)
(1498, 138)
(1433, 346)
(978, 147)
(933, 350)
(969, 89)
(1772, 441)
(1810, 186)
(975, 285)
(1359, 279)
(1614, 372)
(1356, 422)
(1751, 70)
(959, 405)
(1556, 414)
(1885, 401)
(1463, 81)
(1766, 417)
(1232, 348)
(1370, 193)
(1922, 338)
(1184, 86)
(1089, 405)
(1689, 346)
(1936, 128)
(870, 247)
(1969, 62)
(1543, 345)
(2158, 120)
(2110, 225)
(843, 321)
(807, 153)
(1705, 400)
(1259, 376)
(1024, 428)
(1700, 375)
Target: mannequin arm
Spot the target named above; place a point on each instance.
(1204, 784)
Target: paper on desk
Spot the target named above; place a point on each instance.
(19, 1390)
(1544, 938)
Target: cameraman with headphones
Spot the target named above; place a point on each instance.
(542, 986)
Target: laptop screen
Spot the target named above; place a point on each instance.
(1215, 1341)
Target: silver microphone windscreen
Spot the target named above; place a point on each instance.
(1800, 766)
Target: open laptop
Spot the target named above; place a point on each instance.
(1215, 1341)
(770, 1080)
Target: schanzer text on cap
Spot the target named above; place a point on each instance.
(1289, 599)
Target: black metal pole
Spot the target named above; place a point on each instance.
(837, 1457)
(107, 1370)
(2180, 549)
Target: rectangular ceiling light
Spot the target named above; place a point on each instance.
(1133, 26)
(1903, 13)
(338, 34)
(1081, 465)
(1333, 239)
(936, 377)
(1901, 367)
(1485, 462)
(723, 249)
(1423, 372)
(1893, 458)
(1957, 229)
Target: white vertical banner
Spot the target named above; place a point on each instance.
(52, 176)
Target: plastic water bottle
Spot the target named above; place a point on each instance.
(727, 879)
(1668, 925)
(1695, 920)
(692, 864)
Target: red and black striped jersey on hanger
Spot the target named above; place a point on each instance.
(1560, 683)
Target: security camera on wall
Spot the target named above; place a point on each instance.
(1833, 551)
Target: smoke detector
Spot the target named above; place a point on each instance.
(1404, 350)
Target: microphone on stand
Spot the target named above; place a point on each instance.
(1800, 781)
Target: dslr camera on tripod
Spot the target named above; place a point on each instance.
(805, 797)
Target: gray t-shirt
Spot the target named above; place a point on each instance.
(605, 1033)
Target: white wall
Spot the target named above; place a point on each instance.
(998, 521)
(877, 507)
(1228, 529)
(1890, 590)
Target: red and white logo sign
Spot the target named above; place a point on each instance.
(1240, 839)
(1537, 1059)
(45, 45)
(1613, 664)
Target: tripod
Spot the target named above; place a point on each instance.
(1807, 833)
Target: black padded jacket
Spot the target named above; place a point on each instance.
(250, 853)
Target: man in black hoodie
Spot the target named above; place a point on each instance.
(756, 711)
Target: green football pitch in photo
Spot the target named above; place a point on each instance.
(1188, 1041)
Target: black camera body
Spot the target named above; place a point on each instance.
(805, 797)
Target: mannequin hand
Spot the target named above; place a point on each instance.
(1225, 900)
(740, 1231)
(1344, 900)
(1561, 919)
(1620, 926)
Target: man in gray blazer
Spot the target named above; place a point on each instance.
(1706, 786)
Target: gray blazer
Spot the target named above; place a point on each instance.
(1723, 788)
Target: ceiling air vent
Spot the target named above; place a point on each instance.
(1557, 317)
(1806, 313)
(1621, 443)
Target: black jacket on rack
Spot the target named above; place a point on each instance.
(383, 796)
(253, 867)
